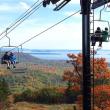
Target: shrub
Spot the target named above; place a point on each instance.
(27, 95)
(71, 95)
(45, 95)
(50, 95)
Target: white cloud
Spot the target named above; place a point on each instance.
(4, 7)
(75, 1)
(24, 5)
(68, 13)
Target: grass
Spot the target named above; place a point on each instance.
(32, 106)
(4, 72)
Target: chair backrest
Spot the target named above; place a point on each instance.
(98, 33)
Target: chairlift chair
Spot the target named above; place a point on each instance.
(4, 49)
(20, 68)
(103, 21)
(100, 20)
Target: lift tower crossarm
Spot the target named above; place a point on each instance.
(59, 6)
(99, 3)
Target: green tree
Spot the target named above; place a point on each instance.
(4, 92)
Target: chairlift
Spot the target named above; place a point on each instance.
(4, 49)
(21, 68)
(10, 48)
(98, 3)
(102, 35)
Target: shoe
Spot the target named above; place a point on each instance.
(8, 67)
(100, 45)
(14, 66)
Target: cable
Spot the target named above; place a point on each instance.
(45, 30)
(21, 19)
(18, 19)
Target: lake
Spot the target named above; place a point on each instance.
(62, 54)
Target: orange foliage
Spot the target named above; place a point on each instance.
(70, 76)
(101, 71)
(46, 69)
(76, 58)
(104, 76)
(100, 65)
(102, 88)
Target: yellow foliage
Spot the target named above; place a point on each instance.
(4, 71)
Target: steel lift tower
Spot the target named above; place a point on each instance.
(86, 11)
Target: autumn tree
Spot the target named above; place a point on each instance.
(73, 77)
(99, 71)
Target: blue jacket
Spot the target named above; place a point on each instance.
(12, 58)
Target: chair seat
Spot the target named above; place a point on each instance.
(19, 70)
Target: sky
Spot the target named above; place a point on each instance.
(66, 35)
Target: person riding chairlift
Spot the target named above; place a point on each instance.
(9, 58)
(105, 36)
(6, 59)
(12, 59)
(97, 37)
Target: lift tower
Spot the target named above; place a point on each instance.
(85, 11)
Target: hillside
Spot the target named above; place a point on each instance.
(39, 73)
(25, 57)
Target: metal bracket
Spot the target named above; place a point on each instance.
(61, 5)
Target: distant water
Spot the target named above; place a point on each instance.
(62, 54)
(53, 54)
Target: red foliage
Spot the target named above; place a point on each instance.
(104, 76)
(102, 88)
(100, 65)
(101, 71)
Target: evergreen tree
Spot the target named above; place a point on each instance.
(4, 91)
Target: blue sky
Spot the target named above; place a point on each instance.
(66, 35)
